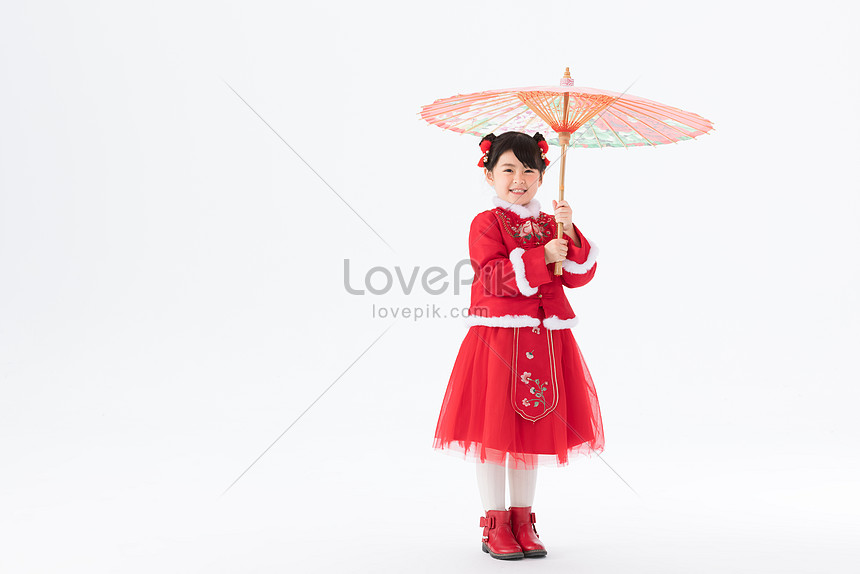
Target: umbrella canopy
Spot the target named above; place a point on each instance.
(596, 118)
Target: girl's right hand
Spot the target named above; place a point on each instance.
(555, 250)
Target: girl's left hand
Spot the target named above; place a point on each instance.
(563, 213)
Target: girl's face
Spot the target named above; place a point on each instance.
(514, 182)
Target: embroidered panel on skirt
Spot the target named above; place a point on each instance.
(534, 380)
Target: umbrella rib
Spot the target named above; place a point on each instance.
(596, 137)
(642, 119)
(530, 120)
(600, 116)
(615, 132)
(435, 111)
(592, 103)
(455, 101)
(665, 124)
(514, 117)
(481, 96)
(526, 109)
(642, 104)
(583, 107)
(611, 111)
(504, 107)
(676, 114)
(551, 110)
(474, 126)
(456, 105)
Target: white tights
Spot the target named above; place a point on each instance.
(491, 485)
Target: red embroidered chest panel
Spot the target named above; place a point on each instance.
(526, 232)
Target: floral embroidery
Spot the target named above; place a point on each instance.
(537, 389)
(537, 396)
(527, 231)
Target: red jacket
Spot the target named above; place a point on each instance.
(512, 280)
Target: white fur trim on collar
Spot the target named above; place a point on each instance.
(530, 209)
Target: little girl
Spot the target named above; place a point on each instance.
(520, 393)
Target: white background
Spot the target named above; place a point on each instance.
(172, 286)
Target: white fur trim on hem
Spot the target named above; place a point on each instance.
(553, 323)
(530, 209)
(520, 272)
(580, 268)
(503, 321)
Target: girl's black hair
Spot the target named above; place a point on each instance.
(525, 148)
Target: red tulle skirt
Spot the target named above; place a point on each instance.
(479, 419)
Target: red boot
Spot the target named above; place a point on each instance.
(523, 527)
(498, 539)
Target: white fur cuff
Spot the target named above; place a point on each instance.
(580, 268)
(520, 272)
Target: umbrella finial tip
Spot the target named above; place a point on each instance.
(566, 80)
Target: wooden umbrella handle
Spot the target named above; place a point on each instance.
(559, 233)
(564, 140)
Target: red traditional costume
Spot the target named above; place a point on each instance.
(519, 386)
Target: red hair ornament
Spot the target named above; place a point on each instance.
(485, 147)
(544, 147)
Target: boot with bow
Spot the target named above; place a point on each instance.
(523, 527)
(498, 539)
